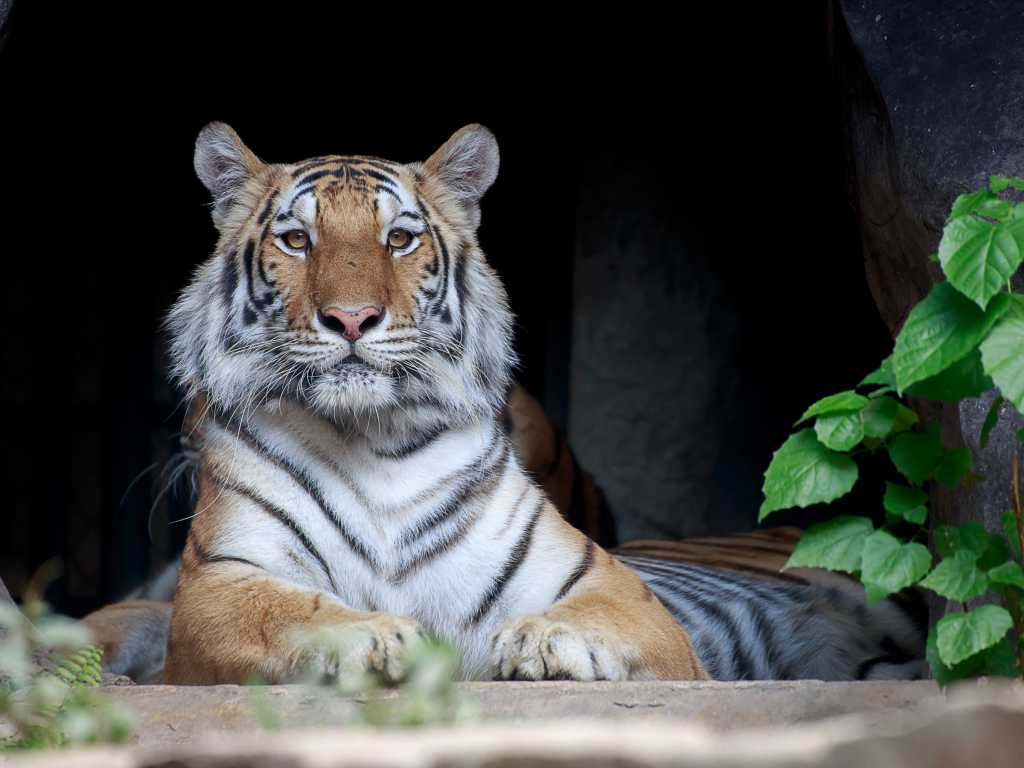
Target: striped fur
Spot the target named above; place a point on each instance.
(363, 481)
(751, 621)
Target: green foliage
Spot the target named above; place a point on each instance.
(889, 565)
(945, 327)
(965, 337)
(836, 545)
(52, 710)
(1002, 352)
(805, 472)
(990, 421)
(425, 695)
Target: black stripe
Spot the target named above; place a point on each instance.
(382, 178)
(418, 443)
(230, 278)
(205, 557)
(250, 251)
(267, 206)
(470, 491)
(581, 570)
(468, 488)
(740, 662)
(515, 560)
(445, 266)
(303, 480)
(281, 516)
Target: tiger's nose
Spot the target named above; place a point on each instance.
(350, 325)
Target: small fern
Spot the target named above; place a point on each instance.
(38, 711)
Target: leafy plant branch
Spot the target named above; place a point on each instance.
(962, 340)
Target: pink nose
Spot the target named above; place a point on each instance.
(353, 323)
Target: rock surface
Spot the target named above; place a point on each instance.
(985, 729)
(931, 96)
(181, 714)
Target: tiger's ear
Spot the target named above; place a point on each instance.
(223, 163)
(467, 163)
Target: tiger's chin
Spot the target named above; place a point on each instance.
(353, 389)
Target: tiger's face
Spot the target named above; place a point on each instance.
(352, 284)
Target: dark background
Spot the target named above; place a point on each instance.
(104, 220)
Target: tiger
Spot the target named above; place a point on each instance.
(743, 617)
(354, 347)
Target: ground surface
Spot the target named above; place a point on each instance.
(627, 725)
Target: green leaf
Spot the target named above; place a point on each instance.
(915, 453)
(835, 545)
(971, 536)
(945, 675)
(1007, 573)
(995, 555)
(974, 537)
(888, 565)
(1001, 660)
(933, 257)
(964, 378)
(978, 257)
(990, 421)
(1009, 523)
(967, 204)
(805, 472)
(905, 503)
(953, 464)
(905, 419)
(1020, 432)
(961, 635)
(842, 402)
(999, 183)
(883, 375)
(940, 330)
(997, 209)
(1003, 352)
(840, 431)
(973, 477)
(957, 577)
(879, 416)
(65, 673)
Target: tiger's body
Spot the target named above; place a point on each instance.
(354, 347)
(391, 493)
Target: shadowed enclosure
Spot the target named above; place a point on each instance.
(669, 213)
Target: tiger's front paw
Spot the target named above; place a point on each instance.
(539, 648)
(377, 643)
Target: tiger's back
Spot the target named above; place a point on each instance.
(750, 620)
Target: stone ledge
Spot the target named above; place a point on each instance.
(179, 714)
(980, 728)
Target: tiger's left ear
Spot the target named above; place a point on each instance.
(467, 163)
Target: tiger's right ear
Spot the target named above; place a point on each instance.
(223, 163)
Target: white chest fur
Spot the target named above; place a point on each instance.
(441, 525)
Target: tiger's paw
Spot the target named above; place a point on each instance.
(540, 648)
(377, 643)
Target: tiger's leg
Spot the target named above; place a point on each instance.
(233, 622)
(608, 626)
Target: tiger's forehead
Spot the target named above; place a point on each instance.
(336, 177)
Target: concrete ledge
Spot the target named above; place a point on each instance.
(179, 714)
(983, 728)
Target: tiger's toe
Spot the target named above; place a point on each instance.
(538, 648)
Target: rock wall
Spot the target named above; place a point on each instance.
(931, 96)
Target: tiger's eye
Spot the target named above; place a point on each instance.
(296, 239)
(398, 238)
